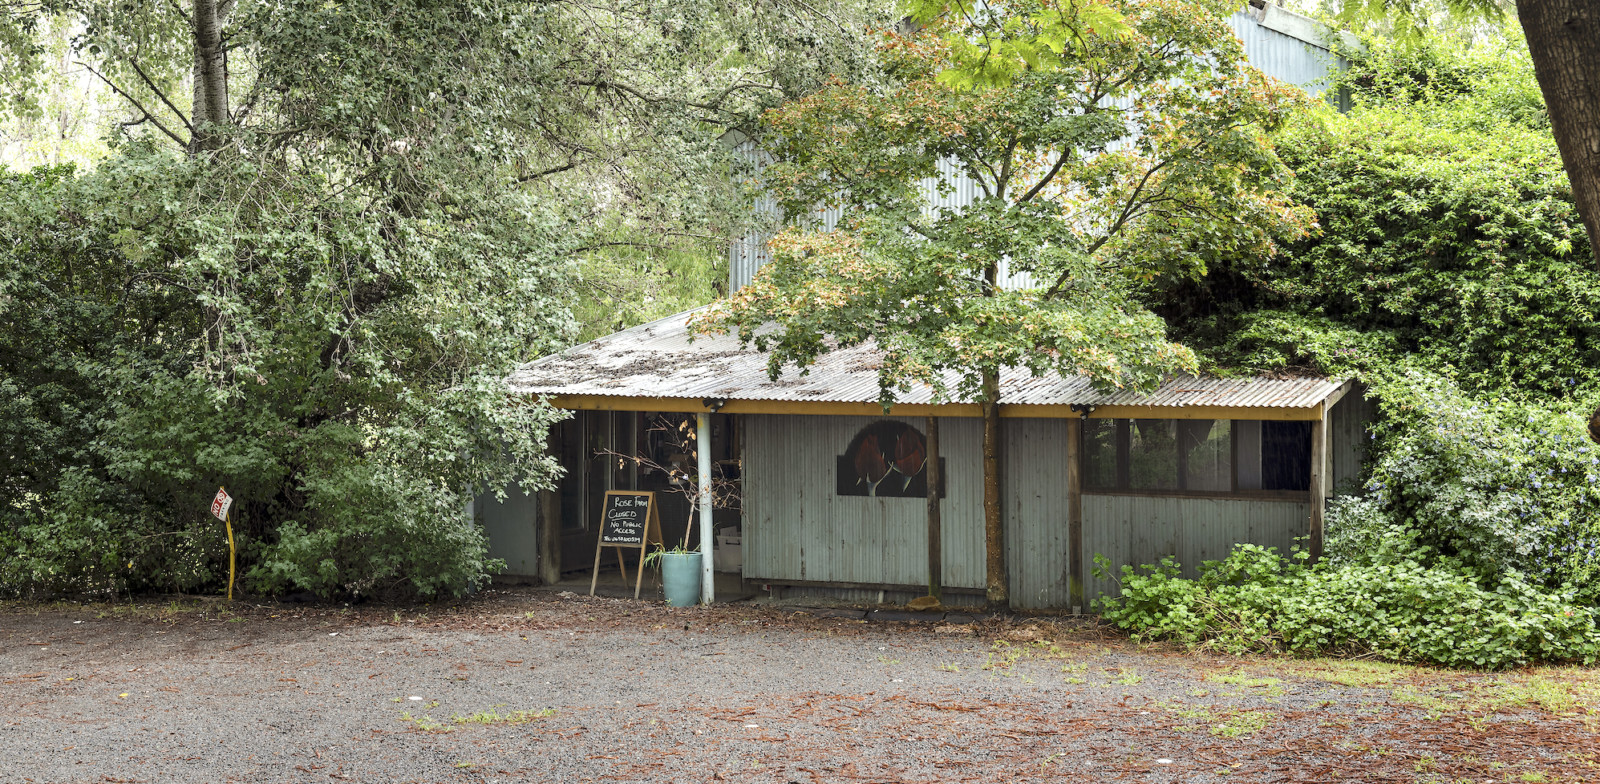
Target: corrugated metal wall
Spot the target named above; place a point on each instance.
(1285, 57)
(512, 529)
(1034, 468)
(749, 253)
(1140, 530)
(1347, 431)
(797, 528)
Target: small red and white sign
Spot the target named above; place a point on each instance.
(220, 504)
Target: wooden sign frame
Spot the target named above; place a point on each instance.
(652, 535)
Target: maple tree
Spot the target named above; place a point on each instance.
(1110, 144)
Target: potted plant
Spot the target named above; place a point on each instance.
(680, 574)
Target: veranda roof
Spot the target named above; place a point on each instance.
(655, 367)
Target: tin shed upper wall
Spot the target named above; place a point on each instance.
(1287, 47)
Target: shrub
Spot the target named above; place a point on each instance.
(156, 343)
(1451, 275)
(1497, 485)
(1402, 610)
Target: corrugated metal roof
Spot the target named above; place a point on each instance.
(656, 360)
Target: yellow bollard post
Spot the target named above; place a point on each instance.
(229, 523)
(221, 509)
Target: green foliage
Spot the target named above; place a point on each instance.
(1401, 610)
(1007, 39)
(1070, 194)
(312, 298)
(1499, 486)
(618, 288)
(1414, 22)
(1451, 275)
(349, 403)
(21, 56)
(1449, 238)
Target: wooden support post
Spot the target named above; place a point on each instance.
(935, 524)
(1319, 479)
(549, 537)
(1075, 552)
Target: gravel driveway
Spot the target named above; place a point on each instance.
(532, 685)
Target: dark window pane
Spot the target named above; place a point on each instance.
(1208, 453)
(1247, 451)
(569, 438)
(1153, 455)
(1099, 454)
(1286, 455)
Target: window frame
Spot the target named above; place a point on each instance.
(1122, 443)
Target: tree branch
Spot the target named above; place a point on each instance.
(1049, 177)
(130, 99)
(570, 164)
(182, 14)
(1128, 209)
(163, 96)
(714, 106)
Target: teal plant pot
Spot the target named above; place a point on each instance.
(680, 578)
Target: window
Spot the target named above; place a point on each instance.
(1152, 455)
(1285, 455)
(1207, 448)
(1195, 455)
(1100, 453)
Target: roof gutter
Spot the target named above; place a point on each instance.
(971, 410)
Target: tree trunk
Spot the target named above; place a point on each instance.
(935, 524)
(996, 583)
(1564, 40)
(210, 77)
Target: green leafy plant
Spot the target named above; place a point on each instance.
(1401, 610)
(654, 556)
(307, 278)
(1498, 485)
(1451, 276)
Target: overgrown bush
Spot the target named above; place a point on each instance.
(1452, 276)
(1498, 485)
(1401, 610)
(1448, 238)
(346, 390)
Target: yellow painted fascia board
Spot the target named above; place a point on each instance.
(803, 407)
(1168, 412)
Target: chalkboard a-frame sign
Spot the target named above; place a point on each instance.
(628, 519)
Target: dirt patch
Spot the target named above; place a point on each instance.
(528, 685)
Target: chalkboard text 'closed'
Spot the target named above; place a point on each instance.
(625, 519)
